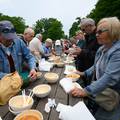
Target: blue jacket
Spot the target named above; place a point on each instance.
(47, 50)
(110, 73)
(20, 53)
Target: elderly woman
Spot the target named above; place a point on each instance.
(47, 48)
(106, 67)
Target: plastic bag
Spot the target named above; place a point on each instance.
(10, 85)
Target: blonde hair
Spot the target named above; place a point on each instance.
(49, 40)
(113, 27)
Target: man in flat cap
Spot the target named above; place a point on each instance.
(87, 54)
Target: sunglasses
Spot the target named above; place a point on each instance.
(8, 30)
(101, 31)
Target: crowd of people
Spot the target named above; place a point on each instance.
(96, 50)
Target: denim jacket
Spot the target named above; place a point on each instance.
(110, 74)
(20, 53)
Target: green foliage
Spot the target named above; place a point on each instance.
(18, 22)
(49, 28)
(105, 8)
(75, 27)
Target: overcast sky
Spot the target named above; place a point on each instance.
(64, 10)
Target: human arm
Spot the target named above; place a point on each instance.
(82, 92)
(110, 77)
(32, 75)
(41, 50)
(28, 57)
(88, 73)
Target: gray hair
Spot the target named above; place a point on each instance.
(87, 21)
(28, 30)
(38, 35)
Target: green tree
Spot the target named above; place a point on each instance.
(18, 22)
(49, 28)
(105, 8)
(75, 27)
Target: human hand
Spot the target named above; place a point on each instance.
(33, 74)
(77, 92)
(80, 73)
(77, 51)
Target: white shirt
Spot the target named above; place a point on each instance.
(36, 47)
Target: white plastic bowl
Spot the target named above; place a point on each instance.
(73, 76)
(14, 112)
(51, 77)
(25, 113)
(42, 90)
(17, 103)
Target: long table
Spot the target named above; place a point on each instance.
(56, 93)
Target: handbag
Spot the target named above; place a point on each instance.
(10, 85)
(108, 99)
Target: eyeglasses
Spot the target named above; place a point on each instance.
(7, 30)
(101, 31)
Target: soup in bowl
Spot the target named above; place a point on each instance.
(73, 76)
(42, 90)
(51, 77)
(29, 115)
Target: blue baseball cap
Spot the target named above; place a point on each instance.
(7, 30)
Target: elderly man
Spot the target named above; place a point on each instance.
(13, 52)
(85, 56)
(39, 36)
(28, 35)
(36, 47)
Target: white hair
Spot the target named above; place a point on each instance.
(87, 21)
(28, 30)
(38, 35)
